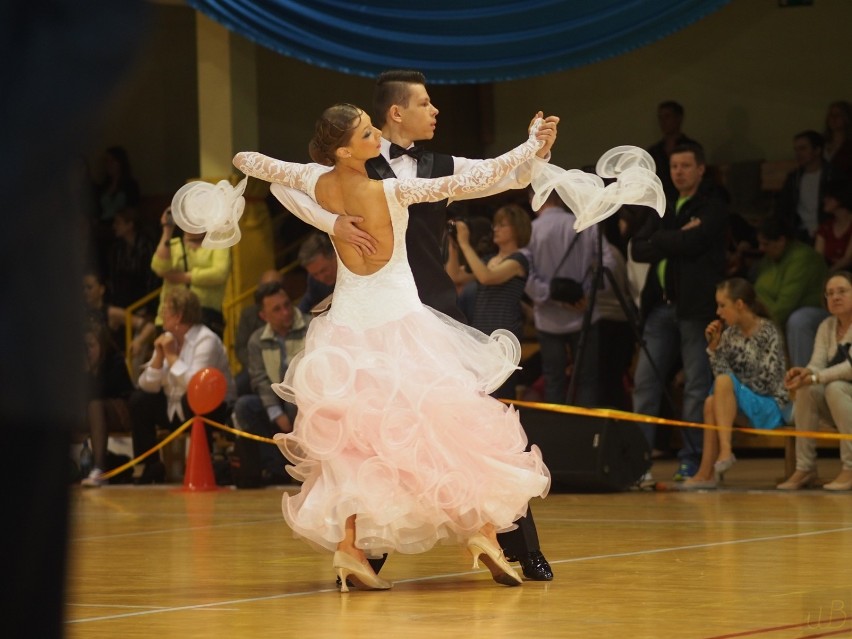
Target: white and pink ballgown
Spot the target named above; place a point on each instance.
(395, 424)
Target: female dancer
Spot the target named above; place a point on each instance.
(747, 358)
(397, 444)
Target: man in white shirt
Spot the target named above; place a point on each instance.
(800, 199)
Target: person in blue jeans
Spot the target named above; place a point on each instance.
(686, 253)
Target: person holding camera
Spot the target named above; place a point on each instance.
(500, 277)
(182, 262)
(560, 276)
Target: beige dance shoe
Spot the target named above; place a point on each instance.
(842, 482)
(360, 576)
(492, 557)
(798, 480)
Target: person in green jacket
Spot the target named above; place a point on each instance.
(789, 283)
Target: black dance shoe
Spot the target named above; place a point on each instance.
(535, 567)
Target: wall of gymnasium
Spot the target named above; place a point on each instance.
(749, 76)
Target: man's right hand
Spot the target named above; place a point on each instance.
(546, 133)
(346, 231)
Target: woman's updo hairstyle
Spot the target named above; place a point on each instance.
(738, 288)
(333, 130)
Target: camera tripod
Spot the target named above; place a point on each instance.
(599, 272)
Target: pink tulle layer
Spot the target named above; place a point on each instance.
(395, 426)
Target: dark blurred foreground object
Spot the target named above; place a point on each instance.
(68, 56)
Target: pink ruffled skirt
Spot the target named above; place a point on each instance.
(396, 427)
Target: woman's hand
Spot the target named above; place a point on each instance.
(462, 233)
(797, 377)
(713, 333)
(178, 277)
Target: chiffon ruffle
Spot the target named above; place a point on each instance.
(396, 427)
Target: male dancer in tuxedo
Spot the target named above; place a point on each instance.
(403, 110)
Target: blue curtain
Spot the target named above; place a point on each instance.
(454, 41)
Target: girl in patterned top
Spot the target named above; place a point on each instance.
(747, 357)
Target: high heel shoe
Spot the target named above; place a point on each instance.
(798, 480)
(359, 575)
(493, 559)
(724, 465)
(842, 482)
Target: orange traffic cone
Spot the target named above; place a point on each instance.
(199, 469)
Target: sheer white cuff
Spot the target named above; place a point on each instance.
(586, 194)
(214, 209)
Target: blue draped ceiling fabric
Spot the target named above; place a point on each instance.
(455, 41)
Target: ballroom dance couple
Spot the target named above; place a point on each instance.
(397, 443)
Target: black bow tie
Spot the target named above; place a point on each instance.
(415, 151)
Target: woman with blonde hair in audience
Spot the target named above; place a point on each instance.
(823, 389)
(747, 357)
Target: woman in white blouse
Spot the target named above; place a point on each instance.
(824, 388)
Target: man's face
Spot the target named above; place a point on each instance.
(419, 117)
(669, 121)
(323, 268)
(773, 249)
(805, 151)
(278, 312)
(686, 172)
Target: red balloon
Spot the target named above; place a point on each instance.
(206, 390)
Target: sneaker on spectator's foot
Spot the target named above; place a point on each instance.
(646, 480)
(94, 479)
(685, 471)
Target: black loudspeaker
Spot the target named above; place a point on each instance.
(588, 454)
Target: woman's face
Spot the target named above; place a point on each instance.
(171, 318)
(365, 142)
(504, 232)
(829, 204)
(111, 165)
(838, 296)
(836, 119)
(727, 309)
(93, 292)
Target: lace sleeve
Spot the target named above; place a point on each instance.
(263, 167)
(480, 177)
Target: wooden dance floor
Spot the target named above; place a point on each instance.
(745, 561)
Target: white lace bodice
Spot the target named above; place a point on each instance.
(366, 301)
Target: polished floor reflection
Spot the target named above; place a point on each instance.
(739, 562)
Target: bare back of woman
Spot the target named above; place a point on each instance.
(347, 192)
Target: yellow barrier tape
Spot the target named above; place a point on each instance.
(172, 436)
(637, 417)
(555, 408)
(238, 433)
